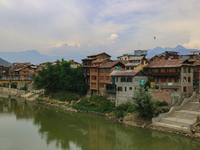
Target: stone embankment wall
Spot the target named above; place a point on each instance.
(12, 92)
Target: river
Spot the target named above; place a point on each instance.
(28, 126)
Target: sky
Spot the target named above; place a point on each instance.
(84, 27)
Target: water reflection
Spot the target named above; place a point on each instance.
(78, 131)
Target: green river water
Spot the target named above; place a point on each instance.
(27, 126)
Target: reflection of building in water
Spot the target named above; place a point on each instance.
(20, 107)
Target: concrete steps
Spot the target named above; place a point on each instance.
(182, 118)
(177, 127)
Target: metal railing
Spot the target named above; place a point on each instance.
(16, 79)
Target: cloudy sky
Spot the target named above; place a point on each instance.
(66, 27)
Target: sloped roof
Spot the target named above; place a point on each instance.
(132, 64)
(136, 57)
(97, 54)
(99, 60)
(166, 63)
(125, 73)
(111, 64)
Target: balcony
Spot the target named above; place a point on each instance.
(165, 73)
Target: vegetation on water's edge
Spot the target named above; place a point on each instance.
(61, 77)
(143, 104)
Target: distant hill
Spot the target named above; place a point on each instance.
(32, 56)
(4, 62)
(158, 50)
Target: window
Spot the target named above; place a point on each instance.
(176, 79)
(116, 79)
(172, 70)
(129, 79)
(157, 79)
(123, 79)
(156, 70)
(125, 89)
(189, 79)
(93, 78)
(102, 78)
(184, 89)
(101, 70)
(184, 70)
(162, 70)
(163, 79)
(101, 85)
(170, 79)
(130, 88)
(189, 70)
(184, 80)
(107, 70)
(119, 88)
(107, 78)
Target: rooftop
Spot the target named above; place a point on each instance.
(125, 73)
(167, 63)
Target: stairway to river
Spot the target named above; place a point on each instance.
(183, 117)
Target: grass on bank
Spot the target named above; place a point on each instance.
(143, 104)
(101, 104)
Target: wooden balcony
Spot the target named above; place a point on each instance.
(165, 73)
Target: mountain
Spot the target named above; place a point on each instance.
(179, 48)
(4, 62)
(32, 56)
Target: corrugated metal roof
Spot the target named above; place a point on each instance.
(136, 57)
(125, 73)
(132, 64)
(166, 63)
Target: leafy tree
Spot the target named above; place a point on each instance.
(61, 76)
(144, 103)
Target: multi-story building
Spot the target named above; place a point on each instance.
(125, 83)
(136, 63)
(91, 64)
(175, 75)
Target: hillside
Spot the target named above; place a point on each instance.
(4, 62)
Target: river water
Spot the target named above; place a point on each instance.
(28, 126)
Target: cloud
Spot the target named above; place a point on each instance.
(112, 38)
(97, 26)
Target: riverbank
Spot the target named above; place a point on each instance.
(131, 119)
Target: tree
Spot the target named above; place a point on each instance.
(61, 76)
(144, 103)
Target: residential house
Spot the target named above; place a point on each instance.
(125, 83)
(166, 55)
(91, 63)
(136, 63)
(175, 75)
(104, 74)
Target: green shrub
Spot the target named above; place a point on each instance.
(123, 107)
(131, 108)
(119, 113)
(144, 103)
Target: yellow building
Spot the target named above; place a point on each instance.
(136, 63)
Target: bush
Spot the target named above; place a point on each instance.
(123, 107)
(144, 103)
(119, 113)
(131, 108)
(96, 103)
